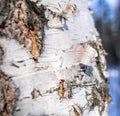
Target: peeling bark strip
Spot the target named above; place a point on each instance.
(8, 92)
(24, 22)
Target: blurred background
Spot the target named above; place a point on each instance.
(107, 21)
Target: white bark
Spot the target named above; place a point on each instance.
(68, 45)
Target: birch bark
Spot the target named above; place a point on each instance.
(54, 55)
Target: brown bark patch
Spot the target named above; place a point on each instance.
(61, 90)
(65, 90)
(75, 111)
(24, 21)
(8, 95)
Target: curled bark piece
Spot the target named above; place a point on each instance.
(35, 93)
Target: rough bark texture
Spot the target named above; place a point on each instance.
(8, 92)
(69, 77)
(23, 21)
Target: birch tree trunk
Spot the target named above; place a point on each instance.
(53, 54)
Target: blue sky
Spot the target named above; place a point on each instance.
(105, 10)
(113, 3)
(100, 6)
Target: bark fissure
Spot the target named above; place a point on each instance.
(101, 62)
